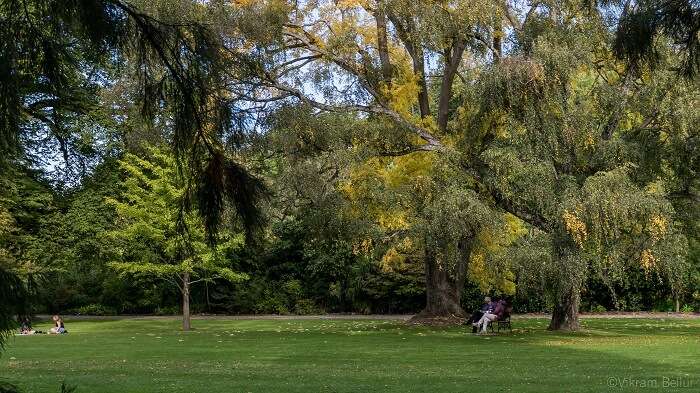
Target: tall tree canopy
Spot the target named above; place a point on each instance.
(492, 145)
(552, 104)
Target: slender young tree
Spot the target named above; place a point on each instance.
(147, 240)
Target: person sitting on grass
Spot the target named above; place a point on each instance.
(488, 306)
(59, 327)
(25, 327)
(489, 317)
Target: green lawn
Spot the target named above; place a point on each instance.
(137, 355)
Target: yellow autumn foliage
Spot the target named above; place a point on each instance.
(363, 247)
(648, 260)
(576, 228)
(657, 227)
(491, 242)
(405, 170)
(631, 120)
(481, 275)
(402, 95)
(393, 220)
(349, 4)
(244, 3)
(396, 256)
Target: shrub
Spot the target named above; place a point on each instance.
(272, 302)
(696, 300)
(599, 309)
(167, 310)
(93, 309)
(293, 289)
(306, 307)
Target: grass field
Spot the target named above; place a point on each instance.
(141, 355)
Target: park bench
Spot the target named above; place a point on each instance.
(503, 323)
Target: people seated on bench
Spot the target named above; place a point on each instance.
(59, 327)
(489, 317)
(488, 306)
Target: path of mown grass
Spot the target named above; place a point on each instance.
(141, 355)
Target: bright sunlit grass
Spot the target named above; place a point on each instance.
(142, 355)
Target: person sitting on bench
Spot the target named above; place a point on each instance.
(488, 306)
(491, 317)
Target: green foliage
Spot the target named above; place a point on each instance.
(24, 203)
(93, 309)
(147, 240)
(27, 205)
(13, 302)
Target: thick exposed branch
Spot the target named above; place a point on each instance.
(511, 17)
(522, 213)
(453, 58)
(531, 217)
(498, 41)
(405, 30)
(297, 63)
(381, 107)
(382, 45)
(433, 144)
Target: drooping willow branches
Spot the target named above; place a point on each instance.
(54, 56)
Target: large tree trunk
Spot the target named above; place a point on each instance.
(442, 294)
(186, 324)
(444, 290)
(567, 290)
(565, 313)
(406, 30)
(498, 42)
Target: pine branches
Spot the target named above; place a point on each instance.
(180, 63)
(641, 25)
(13, 301)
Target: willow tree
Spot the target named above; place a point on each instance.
(651, 33)
(419, 68)
(644, 23)
(579, 145)
(373, 58)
